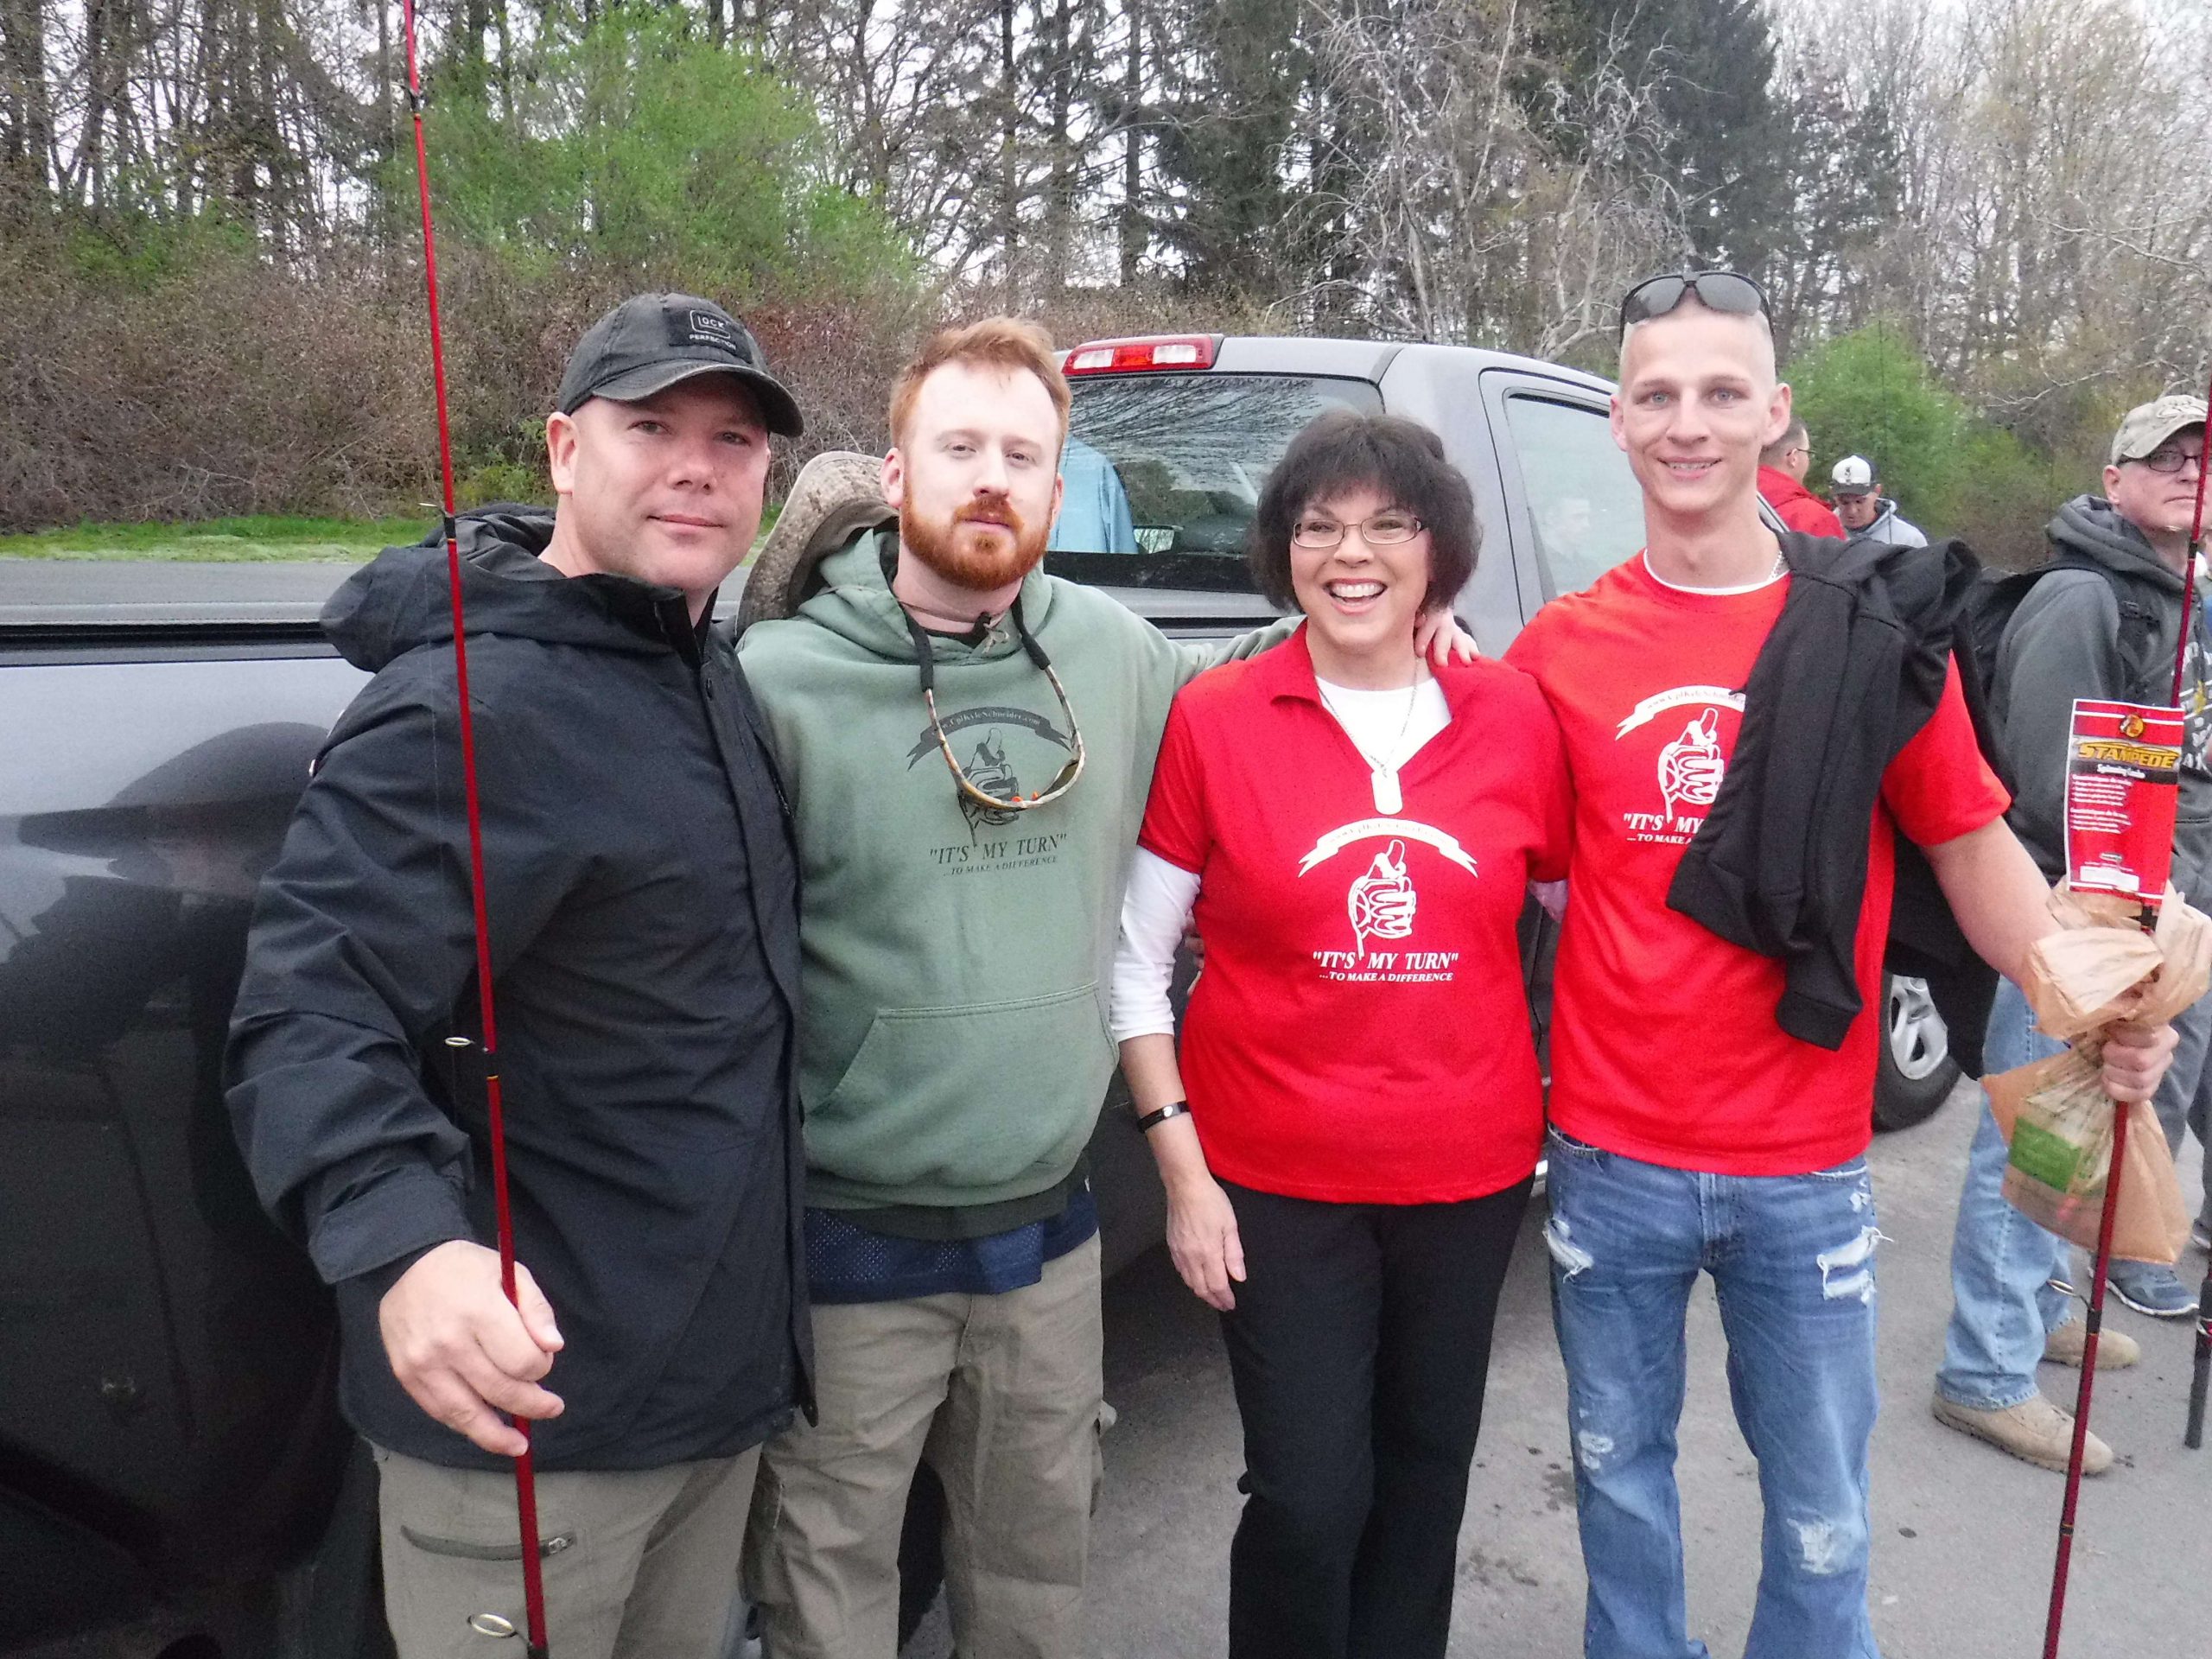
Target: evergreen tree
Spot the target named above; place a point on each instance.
(1824, 267)
(1706, 69)
(1232, 97)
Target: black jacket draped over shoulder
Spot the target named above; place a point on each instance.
(1852, 669)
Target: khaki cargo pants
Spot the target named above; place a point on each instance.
(1002, 1395)
(640, 1564)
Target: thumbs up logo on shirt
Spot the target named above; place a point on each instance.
(1381, 901)
(1691, 767)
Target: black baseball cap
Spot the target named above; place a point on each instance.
(652, 341)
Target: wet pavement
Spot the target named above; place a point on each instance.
(1964, 1535)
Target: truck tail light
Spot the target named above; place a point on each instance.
(1150, 352)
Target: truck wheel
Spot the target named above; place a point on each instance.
(331, 1605)
(1915, 1072)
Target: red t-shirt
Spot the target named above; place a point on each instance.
(1664, 1045)
(1360, 1033)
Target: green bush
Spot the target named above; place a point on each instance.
(635, 158)
(1868, 393)
(2000, 494)
(644, 153)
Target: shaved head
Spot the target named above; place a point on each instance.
(1691, 306)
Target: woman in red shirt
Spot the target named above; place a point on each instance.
(1348, 1134)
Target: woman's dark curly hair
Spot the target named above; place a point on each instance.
(1400, 461)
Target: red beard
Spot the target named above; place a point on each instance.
(1009, 551)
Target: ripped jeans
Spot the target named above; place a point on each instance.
(1793, 1259)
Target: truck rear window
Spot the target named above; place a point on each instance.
(1163, 471)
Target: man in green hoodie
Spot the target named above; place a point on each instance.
(969, 743)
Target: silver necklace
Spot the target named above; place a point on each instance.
(1390, 798)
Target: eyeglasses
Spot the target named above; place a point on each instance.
(970, 789)
(1390, 528)
(1718, 290)
(2169, 458)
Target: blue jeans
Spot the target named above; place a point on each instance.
(1793, 1259)
(2002, 1305)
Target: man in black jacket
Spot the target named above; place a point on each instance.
(641, 888)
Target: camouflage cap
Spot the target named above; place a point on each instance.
(2148, 425)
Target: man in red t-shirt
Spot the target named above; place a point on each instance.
(1689, 1132)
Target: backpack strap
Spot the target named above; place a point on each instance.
(2141, 609)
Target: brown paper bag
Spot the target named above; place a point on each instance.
(2100, 967)
(2057, 1177)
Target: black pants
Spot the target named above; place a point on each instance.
(1359, 1346)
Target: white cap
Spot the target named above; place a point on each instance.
(1854, 475)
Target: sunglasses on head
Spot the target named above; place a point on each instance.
(1717, 290)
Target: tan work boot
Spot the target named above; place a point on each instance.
(2034, 1430)
(2115, 1349)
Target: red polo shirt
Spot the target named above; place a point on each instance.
(1360, 1033)
(1664, 1045)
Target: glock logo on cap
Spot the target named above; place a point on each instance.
(708, 329)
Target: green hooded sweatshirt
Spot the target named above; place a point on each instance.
(955, 961)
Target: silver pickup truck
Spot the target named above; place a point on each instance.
(173, 1478)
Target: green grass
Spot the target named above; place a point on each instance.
(215, 539)
(241, 540)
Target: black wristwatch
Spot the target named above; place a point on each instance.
(1152, 1120)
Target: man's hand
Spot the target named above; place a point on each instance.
(2136, 1058)
(463, 1353)
(1439, 637)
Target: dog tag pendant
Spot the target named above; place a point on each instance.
(1390, 801)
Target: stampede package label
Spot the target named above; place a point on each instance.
(2123, 766)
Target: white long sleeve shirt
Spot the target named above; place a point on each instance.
(1156, 906)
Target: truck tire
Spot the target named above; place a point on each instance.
(1915, 1072)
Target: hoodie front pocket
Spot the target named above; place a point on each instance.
(967, 1097)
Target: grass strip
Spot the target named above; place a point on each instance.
(220, 540)
(245, 541)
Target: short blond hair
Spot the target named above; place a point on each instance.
(1690, 302)
(1006, 343)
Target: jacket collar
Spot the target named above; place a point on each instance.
(1779, 486)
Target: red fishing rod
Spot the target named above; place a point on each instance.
(533, 1578)
(2095, 1323)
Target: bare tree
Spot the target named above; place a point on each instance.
(1455, 221)
(2053, 241)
